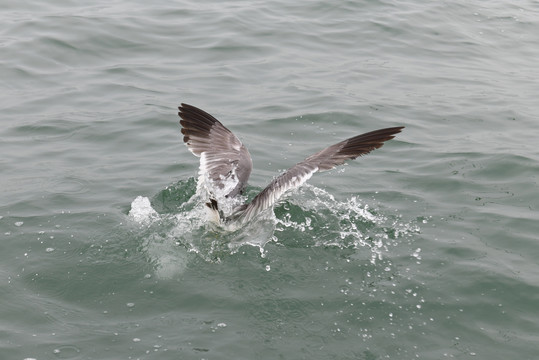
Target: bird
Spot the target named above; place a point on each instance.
(226, 164)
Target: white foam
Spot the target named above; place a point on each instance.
(142, 211)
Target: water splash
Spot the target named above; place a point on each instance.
(174, 224)
(313, 213)
(142, 211)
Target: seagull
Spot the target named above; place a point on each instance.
(225, 164)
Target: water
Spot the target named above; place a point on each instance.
(426, 248)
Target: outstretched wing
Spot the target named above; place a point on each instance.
(223, 158)
(326, 159)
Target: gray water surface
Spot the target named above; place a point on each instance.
(426, 248)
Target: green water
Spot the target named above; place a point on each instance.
(426, 248)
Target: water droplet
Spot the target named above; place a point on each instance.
(19, 223)
(130, 304)
(136, 339)
(49, 249)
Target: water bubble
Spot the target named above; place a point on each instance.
(19, 223)
(49, 249)
(130, 304)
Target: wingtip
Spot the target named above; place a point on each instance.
(184, 106)
(396, 129)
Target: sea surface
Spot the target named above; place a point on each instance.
(427, 248)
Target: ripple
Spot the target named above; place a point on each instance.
(66, 352)
(68, 185)
(52, 131)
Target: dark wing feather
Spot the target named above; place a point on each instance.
(326, 159)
